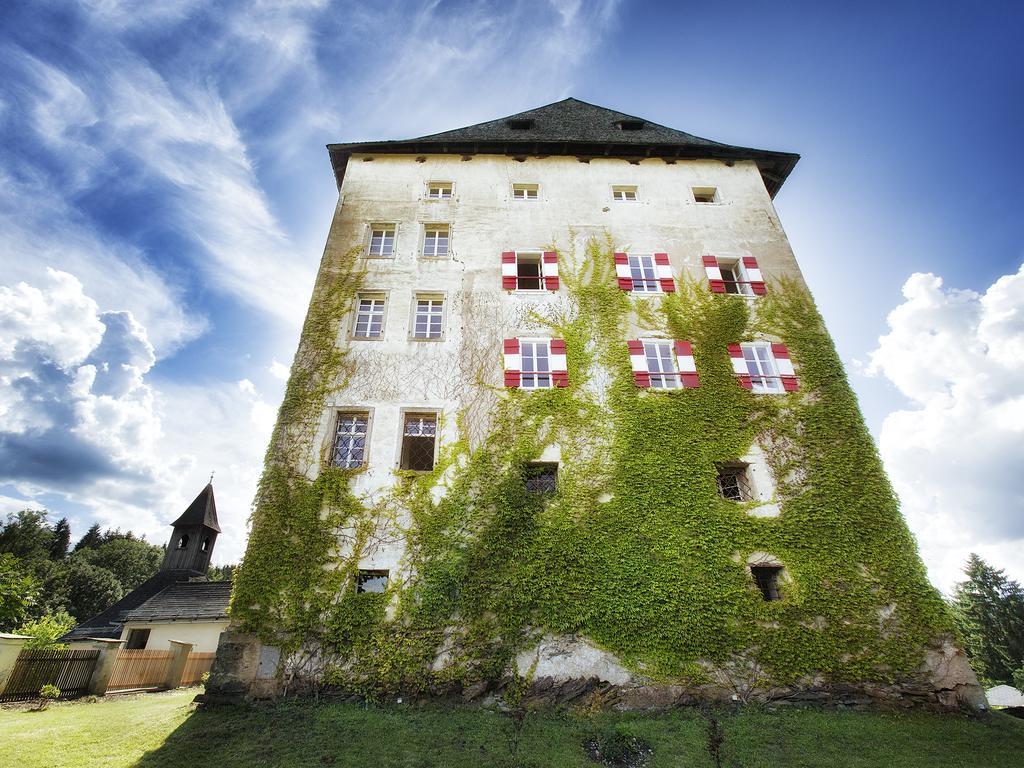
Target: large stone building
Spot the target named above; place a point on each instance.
(564, 413)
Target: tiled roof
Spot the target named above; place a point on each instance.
(573, 127)
(194, 600)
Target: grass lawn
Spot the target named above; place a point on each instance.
(164, 729)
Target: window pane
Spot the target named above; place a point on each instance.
(350, 440)
(371, 581)
(535, 364)
(418, 441)
(642, 270)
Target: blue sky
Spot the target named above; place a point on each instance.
(165, 194)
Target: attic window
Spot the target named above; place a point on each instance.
(520, 124)
(631, 125)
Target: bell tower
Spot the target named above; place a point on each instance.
(194, 535)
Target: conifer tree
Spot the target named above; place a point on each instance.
(989, 608)
(61, 539)
(92, 538)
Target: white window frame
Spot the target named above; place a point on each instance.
(702, 191)
(436, 227)
(440, 186)
(382, 227)
(761, 367)
(621, 193)
(404, 415)
(666, 374)
(742, 283)
(521, 192)
(638, 263)
(534, 376)
(373, 296)
(430, 314)
(339, 414)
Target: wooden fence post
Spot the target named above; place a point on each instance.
(10, 649)
(104, 664)
(176, 665)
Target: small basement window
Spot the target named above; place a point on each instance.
(734, 482)
(541, 478)
(371, 581)
(439, 190)
(525, 191)
(624, 194)
(705, 194)
(767, 579)
(137, 639)
(418, 439)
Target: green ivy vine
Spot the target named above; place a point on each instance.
(636, 550)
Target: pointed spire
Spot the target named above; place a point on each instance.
(202, 511)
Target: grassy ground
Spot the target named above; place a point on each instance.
(163, 729)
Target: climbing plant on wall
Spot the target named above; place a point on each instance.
(635, 550)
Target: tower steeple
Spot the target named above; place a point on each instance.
(194, 535)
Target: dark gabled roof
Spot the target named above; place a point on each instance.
(194, 600)
(202, 511)
(573, 127)
(108, 623)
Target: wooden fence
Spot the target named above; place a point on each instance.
(137, 669)
(68, 669)
(197, 665)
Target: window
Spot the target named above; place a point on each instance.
(183, 541)
(204, 545)
(369, 322)
(435, 241)
(734, 482)
(705, 194)
(641, 269)
(631, 125)
(535, 359)
(761, 367)
(661, 366)
(427, 321)
(624, 194)
(734, 277)
(529, 271)
(371, 581)
(418, 439)
(767, 579)
(529, 275)
(541, 479)
(350, 440)
(525, 191)
(137, 639)
(382, 240)
(439, 190)
(520, 124)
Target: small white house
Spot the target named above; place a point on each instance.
(192, 612)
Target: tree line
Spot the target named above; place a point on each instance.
(47, 586)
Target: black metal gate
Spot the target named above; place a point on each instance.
(68, 669)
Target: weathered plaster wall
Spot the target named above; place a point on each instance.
(204, 635)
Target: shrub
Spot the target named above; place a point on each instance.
(47, 694)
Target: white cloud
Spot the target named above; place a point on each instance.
(955, 455)
(279, 370)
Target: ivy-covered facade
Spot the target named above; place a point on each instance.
(563, 410)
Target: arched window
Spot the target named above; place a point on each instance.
(183, 541)
(205, 545)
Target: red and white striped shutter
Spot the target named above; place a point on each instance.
(754, 275)
(687, 367)
(638, 360)
(715, 280)
(508, 271)
(513, 367)
(622, 272)
(739, 366)
(785, 367)
(550, 270)
(663, 270)
(559, 366)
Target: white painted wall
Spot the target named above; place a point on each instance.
(202, 634)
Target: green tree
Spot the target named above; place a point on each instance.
(81, 589)
(221, 572)
(47, 630)
(61, 539)
(989, 608)
(18, 592)
(26, 535)
(92, 538)
(131, 560)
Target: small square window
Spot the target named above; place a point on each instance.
(535, 360)
(525, 191)
(382, 240)
(540, 478)
(428, 319)
(766, 577)
(137, 639)
(439, 190)
(645, 277)
(371, 581)
(369, 320)
(436, 238)
(705, 194)
(764, 376)
(350, 440)
(624, 194)
(734, 482)
(418, 440)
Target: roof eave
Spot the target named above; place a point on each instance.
(775, 166)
